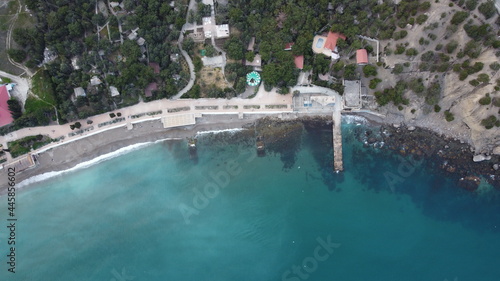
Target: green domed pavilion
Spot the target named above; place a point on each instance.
(253, 78)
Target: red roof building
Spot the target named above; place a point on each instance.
(155, 66)
(362, 57)
(331, 40)
(288, 46)
(299, 62)
(5, 116)
(150, 88)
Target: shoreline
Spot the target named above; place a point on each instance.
(71, 156)
(67, 156)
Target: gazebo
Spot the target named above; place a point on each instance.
(253, 78)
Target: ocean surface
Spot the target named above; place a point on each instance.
(154, 213)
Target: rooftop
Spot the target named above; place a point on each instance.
(114, 91)
(150, 88)
(331, 40)
(155, 66)
(79, 92)
(5, 116)
(299, 62)
(288, 46)
(352, 93)
(362, 56)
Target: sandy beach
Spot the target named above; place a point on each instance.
(70, 154)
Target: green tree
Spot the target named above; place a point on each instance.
(188, 45)
(448, 116)
(370, 70)
(490, 122)
(250, 56)
(459, 17)
(451, 46)
(411, 52)
(421, 18)
(17, 55)
(15, 108)
(487, 9)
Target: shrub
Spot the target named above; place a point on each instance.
(471, 4)
(448, 116)
(411, 52)
(118, 114)
(400, 34)
(424, 6)
(433, 94)
(459, 17)
(486, 100)
(72, 126)
(112, 115)
(400, 48)
(463, 75)
(490, 121)
(78, 125)
(370, 70)
(474, 82)
(496, 101)
(374, 82)
(451, 46)
(495, 66)
(421, 18)
(398, 69)
(427, 56)
(472, 49)
(17, 55)
(487, 9)
(478, 66)
(432, 36)
(437, 108)
(416, 85)
(439, 47)
(483, 78)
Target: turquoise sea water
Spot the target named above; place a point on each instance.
(155, 214)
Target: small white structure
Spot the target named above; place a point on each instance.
(174, 57)
(94, 81)
(141, 41)
(114, 91)
(133, 34)
(79, 92)
(114, 4)
(222, 31)
(74, 63)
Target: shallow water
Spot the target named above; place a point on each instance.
(155, 214)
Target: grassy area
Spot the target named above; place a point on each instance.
(5, 80)
(24, 145)
(24, 20)
(33, 104)
(43, 88)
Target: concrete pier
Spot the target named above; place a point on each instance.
(337, 143)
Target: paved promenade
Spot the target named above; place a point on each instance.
(264, 102)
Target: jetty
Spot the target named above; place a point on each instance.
(338, 165)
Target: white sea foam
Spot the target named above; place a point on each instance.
(232, 131)
(83, 165)
(354, 119)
